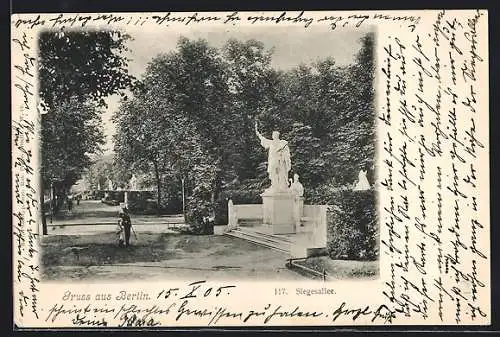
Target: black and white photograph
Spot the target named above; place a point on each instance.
(250, 169)
(241, 155)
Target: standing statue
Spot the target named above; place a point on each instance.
(133, 183)
(296, 186)
(278, 160)
(297, 190)
(110, 185)
(362, 184)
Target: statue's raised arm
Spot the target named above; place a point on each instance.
(263, 140)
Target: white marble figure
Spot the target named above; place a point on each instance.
(278, 160)
(98, 186)
(133, 183)
(297, 190)
(110, 185)
(296, 186)
(362, 184)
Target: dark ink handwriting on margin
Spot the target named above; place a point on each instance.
(83, 320)
(134, 321)
(296, 312)
(30, 23)
(283, 17)
(23, 43)
(197, 290)
(382, 312)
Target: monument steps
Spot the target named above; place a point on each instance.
(264, 236)
(275, 242)
(269, 236)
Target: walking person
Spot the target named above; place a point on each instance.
(125, 223)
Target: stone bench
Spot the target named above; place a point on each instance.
(244, 214)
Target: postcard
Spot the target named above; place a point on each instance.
(250, 169)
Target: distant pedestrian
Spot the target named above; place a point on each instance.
(126, 224)
(70, 202)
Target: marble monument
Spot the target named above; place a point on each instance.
(133, 183)
(278, 200)
(362, 183)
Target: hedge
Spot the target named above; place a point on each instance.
(197, 210)
(145, 202)
(353, 226)
(142, 202)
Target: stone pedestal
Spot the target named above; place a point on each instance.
(232, 220)
(298, 210)
(278, 209)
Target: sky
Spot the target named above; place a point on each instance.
(292, 45)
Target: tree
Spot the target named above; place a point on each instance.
(72, 131)
(334, 108)
(306, 155)
(356, 130)
(153, 138)
(103, 168)
(136, 141)
(198, 90)
(77, 70)
(250, 82)
(85, 64)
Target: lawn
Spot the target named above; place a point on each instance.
(159, 255)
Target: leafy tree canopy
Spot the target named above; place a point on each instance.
(193, 118)
(88, 65)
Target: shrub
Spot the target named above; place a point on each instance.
(142, 202)
(353, 226)
(98, 195)
(197, 210)
(171, 196)
(171, 204)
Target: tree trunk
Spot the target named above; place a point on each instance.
(217, 189)
(183, 182)
(44, 218)
(57, 200)
(53, 199)
(158, 186)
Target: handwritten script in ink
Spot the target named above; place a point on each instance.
(433, 159)
(197, 302)
(300, 18)
(25, 199)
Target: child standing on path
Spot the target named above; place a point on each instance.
(125, 225)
